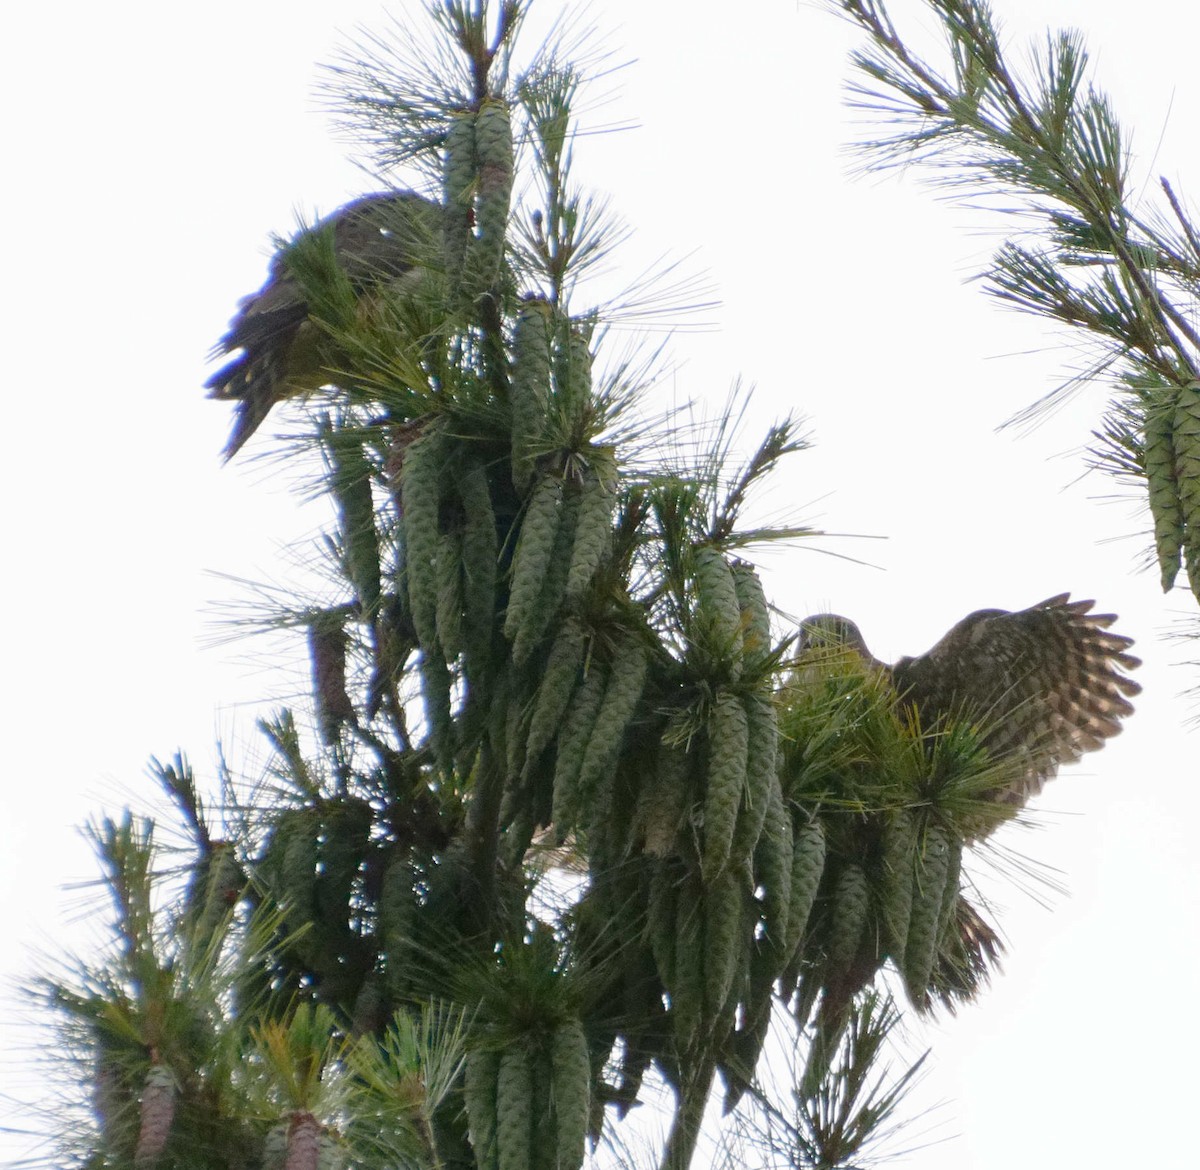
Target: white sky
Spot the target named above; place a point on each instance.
(152, 149)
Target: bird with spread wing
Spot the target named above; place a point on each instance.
(1046, 684)
(376, 241)
(901, 766)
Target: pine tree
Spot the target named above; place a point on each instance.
(567, 821)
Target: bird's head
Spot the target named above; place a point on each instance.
(831, 652)
(830, 632)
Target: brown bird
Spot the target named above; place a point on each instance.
(376, 240)
(1046, 683)
(1041, 686)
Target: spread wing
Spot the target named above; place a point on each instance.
(375, 239)
(1046, 683)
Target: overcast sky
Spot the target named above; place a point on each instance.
(153, 149)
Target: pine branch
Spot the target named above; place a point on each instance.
(1058, 148)
(1051, 148)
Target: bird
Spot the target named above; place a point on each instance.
(377, 240)
(1034, 689)
(1045, 684)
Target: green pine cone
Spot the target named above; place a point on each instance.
(728, 745)
(516, 731)
(1185, 432)
(494, 156)
(529, 385)
(723, 941)
(1186, 442)
(546, 610)
(480, 1092)
(773, 853)
(933, 868)
(897, 848)
(661, 912)
(299, 874)
(449, 594)
(480, 554)
(531, 561)
(574, 378)
(851, 910)
(947, 916)
(571, 1092)
(686, 989)
(458, 184)
(514, 1108)
(626, 678)
(761, 777)
(718, 616)
(436, 685)
(756, 616)
(593, 531)
(1162, 483)
(663, 800)
(572, 746)
(420, 494)
(738, 994)
(350, 477)
(543, 1149)
(808, 867)
(397, 911)
(556, 688)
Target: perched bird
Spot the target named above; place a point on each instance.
(376, 240)
(1046, 684)
(1039, 687)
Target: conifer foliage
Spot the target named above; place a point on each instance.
(1044, 144)
(547, 661)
